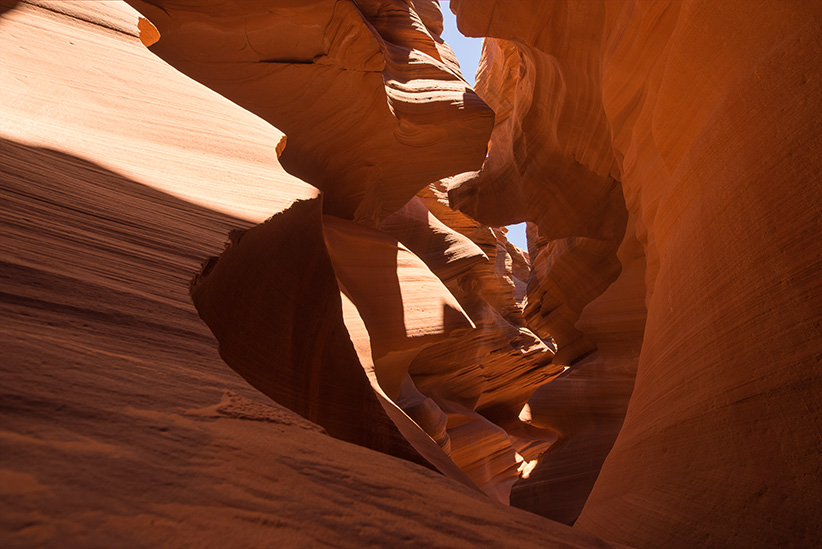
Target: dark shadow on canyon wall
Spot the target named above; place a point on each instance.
(7, 5)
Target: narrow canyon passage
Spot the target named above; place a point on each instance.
(611, 377)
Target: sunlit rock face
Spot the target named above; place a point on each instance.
(118, 175)
(480, 378)
(356, 87)
(419, 347)
(120, 421)
(667, 155)
(647, 371)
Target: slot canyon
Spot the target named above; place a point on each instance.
(257, 287)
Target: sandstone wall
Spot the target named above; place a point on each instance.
(120, 425)
(375, 111)
(648, 370)
(706, 115)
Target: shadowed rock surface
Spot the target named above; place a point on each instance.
(648, 371)
(356, 86)
(121, 426)
(705, 118)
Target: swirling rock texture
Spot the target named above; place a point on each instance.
(702, 120)
(355, 86)
(121, 425)
(647, 371)
(433, 317)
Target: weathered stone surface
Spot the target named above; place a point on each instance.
(355, 86)
(405, 307)
(647, 371)
(550, 157)
(375, 76)
(729, 197)
(480, 379)
(120, 423)
(706, 115)
(586, 404)
(303, 361)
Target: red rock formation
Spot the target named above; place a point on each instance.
(405, 307)
(120, 422)
(551, 162)
(729, 198)
(479, 379)
(707, 116)
(550, 159)
(665, 155)
(355, 86)
(303, 361)
(442, 365)
(587, 403)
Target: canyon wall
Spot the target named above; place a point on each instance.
(419, 312)
(356, 86)
(647, 371)
(120, 425)
(706, 118)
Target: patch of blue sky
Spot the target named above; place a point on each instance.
(468, 51)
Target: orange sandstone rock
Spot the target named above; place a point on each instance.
(355, 86)
(665, 156)
(303, 361)
(120, 422)
(376, 76)
(705, 117)
(479, 379)
(728, 195)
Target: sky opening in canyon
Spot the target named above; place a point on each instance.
(468, 51)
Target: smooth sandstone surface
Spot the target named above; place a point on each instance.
(479, 380)
(327, 87)
(732, 199)
(304, 361)
(355, 86)
(706, 115)
(647, 371)
(121, 426)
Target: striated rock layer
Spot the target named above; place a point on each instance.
(702, 120)
(648, 371)
(121, 426)
(375, 109)
(356, 86)
(480, 378)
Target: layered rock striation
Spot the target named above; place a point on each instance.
(668, 156)
(120, 423)
(647, 370)
(578, 149)
(412, 317)
(354, 85)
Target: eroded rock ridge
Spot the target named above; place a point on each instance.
(666, 158)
